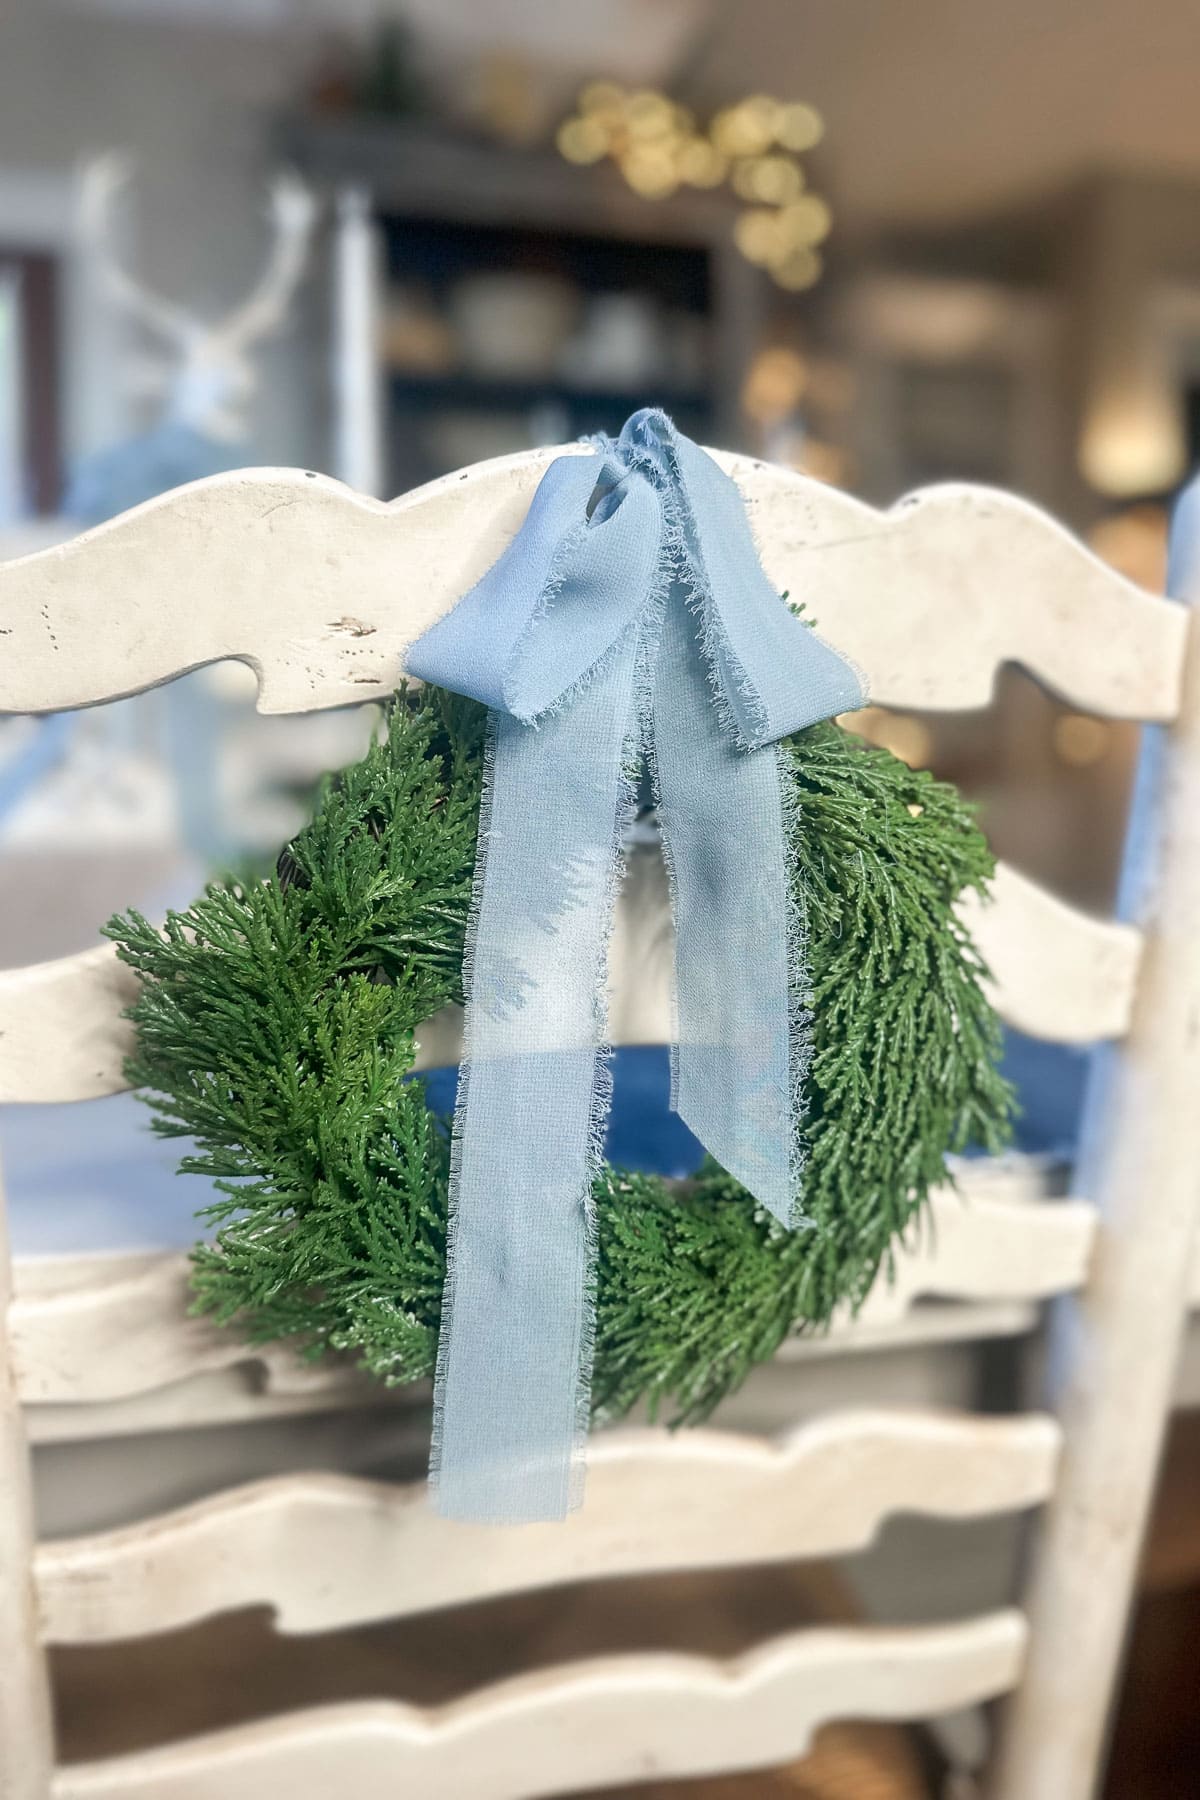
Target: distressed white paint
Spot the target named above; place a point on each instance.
(119, 1326)
(986, 1249)
(1057, 973)
(125, 1328)
(1115, 1347)
(26, 1744)
(924, 1348)
(62, 1036)
(103, 1345)
(326, 1551)
(583, 1725)
(323, 590)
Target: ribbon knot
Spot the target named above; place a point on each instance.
(629, 622)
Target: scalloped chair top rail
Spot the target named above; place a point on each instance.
(322, 590)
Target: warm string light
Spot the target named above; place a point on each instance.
(753, 145)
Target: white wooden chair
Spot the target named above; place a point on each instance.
(321, 590)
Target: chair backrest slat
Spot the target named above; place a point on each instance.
(327, 1551)
(323, 591)
(1058, 973)
(118, 1327)
(582, 1725)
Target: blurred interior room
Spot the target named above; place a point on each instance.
(883, 245)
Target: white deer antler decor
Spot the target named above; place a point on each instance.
(210, 376)
(198, 375)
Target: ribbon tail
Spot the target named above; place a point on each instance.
(742, 1039)
(512, 1391)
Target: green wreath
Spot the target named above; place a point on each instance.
(276, 1021)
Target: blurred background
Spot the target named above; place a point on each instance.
(888, 245)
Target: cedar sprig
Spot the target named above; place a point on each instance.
(276, 1024)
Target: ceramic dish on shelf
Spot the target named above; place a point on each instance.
(513, 325)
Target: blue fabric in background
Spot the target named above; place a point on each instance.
(1050, 1081)
(643, 1133)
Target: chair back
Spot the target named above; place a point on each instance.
(322, 591)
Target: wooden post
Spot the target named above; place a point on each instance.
(26, 1741)
(1114, 1346)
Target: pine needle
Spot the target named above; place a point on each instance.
(276, 1023)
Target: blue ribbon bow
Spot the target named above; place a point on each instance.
(628, 621)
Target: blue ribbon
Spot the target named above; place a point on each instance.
(628, 621)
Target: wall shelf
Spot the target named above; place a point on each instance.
(446, 210)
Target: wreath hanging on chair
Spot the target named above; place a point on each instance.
(277, 1025)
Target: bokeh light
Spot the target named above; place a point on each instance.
(753, 144)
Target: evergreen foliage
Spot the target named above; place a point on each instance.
(276, 1023)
